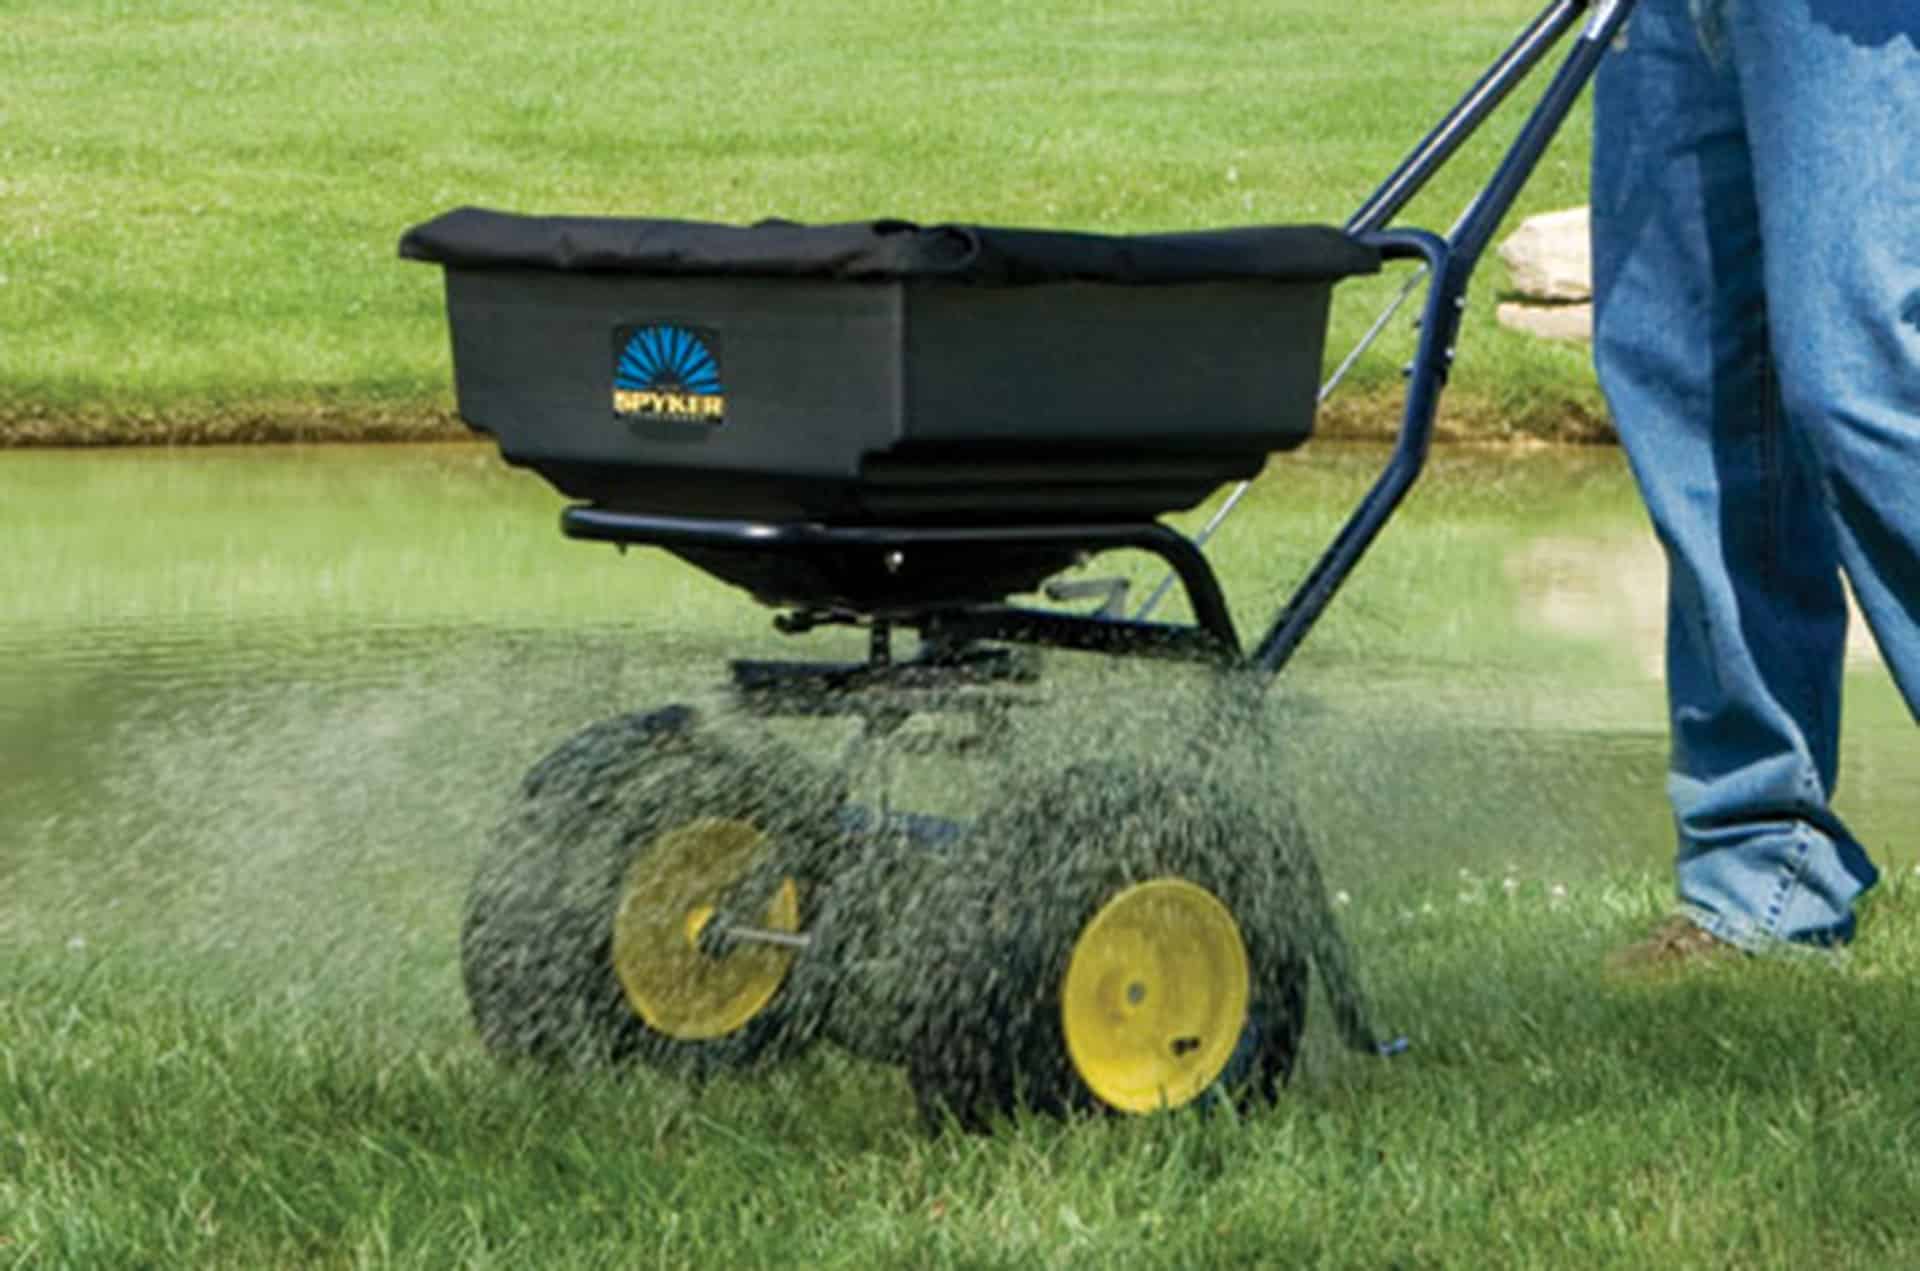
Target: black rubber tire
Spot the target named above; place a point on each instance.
(998, 923)
(536, 945)
(860, 971)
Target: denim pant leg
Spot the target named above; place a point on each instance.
(1756, 612)
(1832, 90)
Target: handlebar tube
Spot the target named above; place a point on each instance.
(1450, 262)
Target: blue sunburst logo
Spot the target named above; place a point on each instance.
(667, 373)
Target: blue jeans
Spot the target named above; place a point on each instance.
(1756, 245)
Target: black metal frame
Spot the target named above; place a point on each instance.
(1450, 261)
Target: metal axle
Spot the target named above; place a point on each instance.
(760, 935)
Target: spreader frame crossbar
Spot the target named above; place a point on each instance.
(1212, 634)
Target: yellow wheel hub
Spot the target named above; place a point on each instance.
(1155, 995)
(667, 902)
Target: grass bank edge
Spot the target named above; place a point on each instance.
(1371, 414)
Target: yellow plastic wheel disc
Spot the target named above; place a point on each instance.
(666, 903)
(1155, 995)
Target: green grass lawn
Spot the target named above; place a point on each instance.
(1747, 1116)
(203, 196)
(258, 707)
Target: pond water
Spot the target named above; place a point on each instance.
(264, 704)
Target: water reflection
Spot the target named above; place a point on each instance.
(283, 785)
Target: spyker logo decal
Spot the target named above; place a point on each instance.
(668, 373)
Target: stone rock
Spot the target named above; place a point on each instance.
(1549, 322)
(1550, 257)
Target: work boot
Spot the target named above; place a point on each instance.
(1676, 942)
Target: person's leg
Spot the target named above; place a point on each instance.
(1756, 613)
(1832, 92)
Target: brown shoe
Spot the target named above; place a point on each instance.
(1676, 942)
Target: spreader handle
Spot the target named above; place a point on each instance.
(1450, 264)
(1604, 20)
